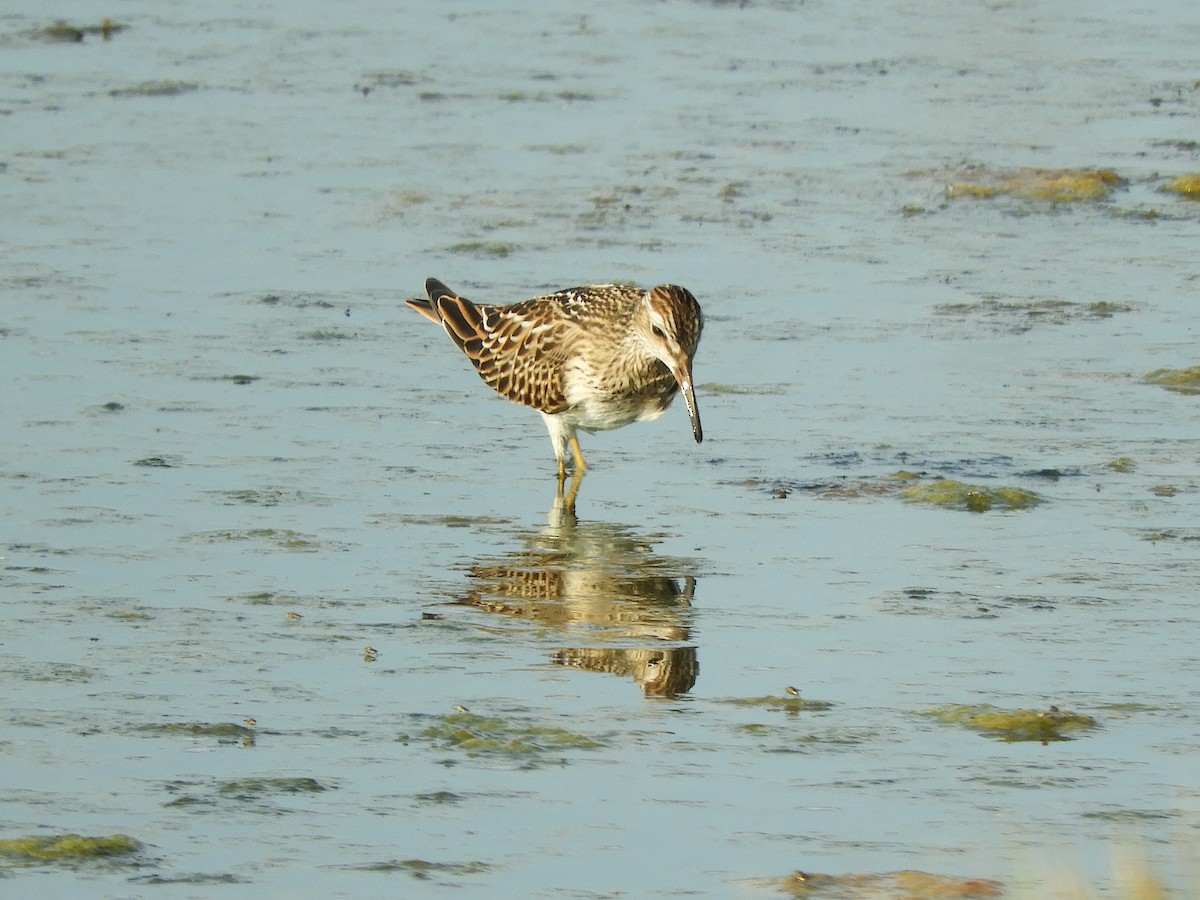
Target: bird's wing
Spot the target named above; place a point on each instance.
(519, 350)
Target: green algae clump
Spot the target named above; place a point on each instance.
(1068, 187)
(247, 788)
(479, 735)
(1012, 725)
(482, 248)
(958, 189)
(281, 538)
(67, 847)
(1187, 186)
(158, 87)
(1048, 185)
(1025, 314)
(220, 730)
(1182, 381)
(973, 498)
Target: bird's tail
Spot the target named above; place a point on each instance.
(428, 308)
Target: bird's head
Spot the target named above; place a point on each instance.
(669, 323)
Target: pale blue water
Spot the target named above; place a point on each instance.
(227, 263)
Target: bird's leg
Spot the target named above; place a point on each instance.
(558, 440)
(580, 465)
(569, 502)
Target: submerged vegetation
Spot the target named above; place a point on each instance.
(1182, 381)
(1187, 186)
(1022, 315)
(494, 249)
(905, 885)
(951, 494)
(1014, 725)
(424, 870)
(793, 703)
(280, 538)
(67, 848)
(252, 788)
(1049, 185)
(159, 87)
(916, 487)
(478, 735)
(223, 731)
(65, 33)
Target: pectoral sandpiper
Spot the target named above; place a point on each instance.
(587, 358)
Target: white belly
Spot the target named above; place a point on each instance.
(602, 415)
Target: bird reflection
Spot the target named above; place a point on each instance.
(661, 673)
(600, 581)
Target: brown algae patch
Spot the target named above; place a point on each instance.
(1022, 315)
(914, 488)
(67, 848)
(424, 870)
(159, 462)
(442, 520)
(249, 791)
(482, 248)
(58, 673)
(478, 735)
(280, 538)
(1171, 534)
(1048, 185)
(1012, 725)
(1181, 381)
(224, 732)
(908, 884)
(130, 615)
(387, 78)
(786, 739)
(270, 598)
(1187, 186)
(265, 497)
(755, 390)
(64, 32)
(159, 87)
(254, 788)
(951, 494)
(791, 705)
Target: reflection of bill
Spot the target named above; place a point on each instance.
(660, 672)
(601, 582)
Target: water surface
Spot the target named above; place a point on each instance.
(233, 460)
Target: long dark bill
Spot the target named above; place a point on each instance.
(683, 375)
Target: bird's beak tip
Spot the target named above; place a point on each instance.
(683, 375)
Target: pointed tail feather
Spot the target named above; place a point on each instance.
(428, 308)
(425, 308)
(436, 290)
(464, 323)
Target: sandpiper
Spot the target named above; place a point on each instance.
(587, 358)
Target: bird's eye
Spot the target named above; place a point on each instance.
(658, 332)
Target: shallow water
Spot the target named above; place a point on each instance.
(233, 459)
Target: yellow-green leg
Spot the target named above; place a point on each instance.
(576, 477)
(580, 465)
(569, 500)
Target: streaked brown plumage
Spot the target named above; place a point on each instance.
(588, 358)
